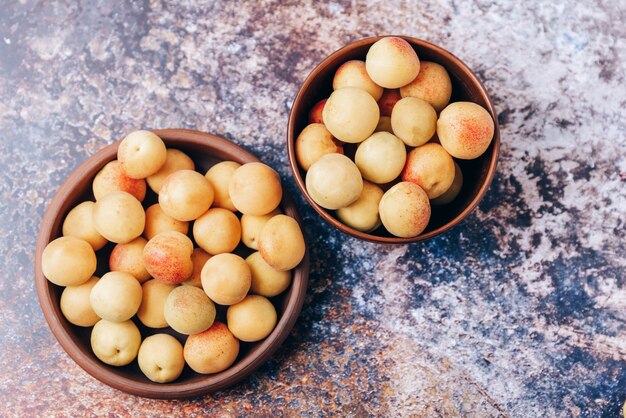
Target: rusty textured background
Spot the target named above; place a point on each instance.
(519, 311)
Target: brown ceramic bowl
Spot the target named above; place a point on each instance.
(466, 86)
(205, 149)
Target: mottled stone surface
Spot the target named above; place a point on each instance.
(519, 311)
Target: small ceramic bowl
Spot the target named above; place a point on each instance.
(206, 150)
(477, 174)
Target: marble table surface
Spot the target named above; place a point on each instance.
(519, 311)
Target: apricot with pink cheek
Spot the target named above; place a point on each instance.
(129, 259)
(211, 351)
(465, 130)
(112, 178)
(431, 168)
(392, 62)
(167, 257)
(432, 84)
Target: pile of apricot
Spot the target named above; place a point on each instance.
(174, 260)
(393, 110)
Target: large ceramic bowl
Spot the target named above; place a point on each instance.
(206, 150)
(477, 174)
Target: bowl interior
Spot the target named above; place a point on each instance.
(206, 150)
(477, 174)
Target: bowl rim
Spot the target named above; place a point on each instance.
(174, 390)
(291, 138)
